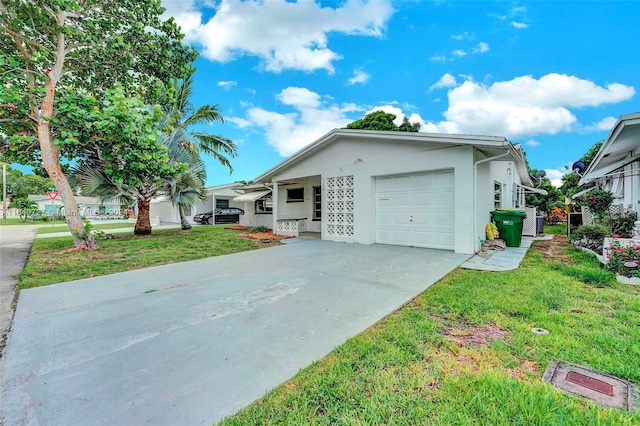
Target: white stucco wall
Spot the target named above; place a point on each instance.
(250, 218)
(366, 161)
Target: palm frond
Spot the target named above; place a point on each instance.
(206, 114)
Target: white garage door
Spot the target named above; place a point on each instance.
(416, 210)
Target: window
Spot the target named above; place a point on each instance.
(264, 206)
(295, 195)
(222, 204)
(317, 203)
(497, 195)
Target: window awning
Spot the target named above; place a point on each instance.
(251, 196)
(603, 172)
(531, 189)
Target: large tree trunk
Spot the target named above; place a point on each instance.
(184, 223)
(51, 158)
(143, 225)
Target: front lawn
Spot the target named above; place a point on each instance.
(11, 221)
(63, 227)
(51, 261)
(463, 353)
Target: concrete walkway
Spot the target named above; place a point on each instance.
(502, 260)
(15, 244)
(191, 343)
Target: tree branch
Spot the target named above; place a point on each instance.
(19, 36)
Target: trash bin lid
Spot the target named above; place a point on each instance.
(509, 212)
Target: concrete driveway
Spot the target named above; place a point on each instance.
(216, 335)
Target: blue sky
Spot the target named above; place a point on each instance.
(552, 76)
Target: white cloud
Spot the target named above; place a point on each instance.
(285, 35)
(532, 142)
(390, 109)
(555, 176)
(519, 25)
(523, 106)
(459, 53)
(240, 122)
(518, 9)
(226, 85)
(482, 48)
(359, 77)
(439, 58)
(604, 124)
(447, 80)
(463, 36)
(311, 118)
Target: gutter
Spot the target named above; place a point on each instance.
(475, 189)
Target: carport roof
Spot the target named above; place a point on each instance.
(488, 145)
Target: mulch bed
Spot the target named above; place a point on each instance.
(264, 237)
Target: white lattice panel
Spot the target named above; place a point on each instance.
(529, 224)
(339, 205)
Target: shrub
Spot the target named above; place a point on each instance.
(623, 224)
(258, 229)
(619, 255)
(590, 232)
(555, 215)
(598, 202)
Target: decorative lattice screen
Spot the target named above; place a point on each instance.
(339, 206)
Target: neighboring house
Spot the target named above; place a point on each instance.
(616, 167)
(220, 196)
(87, 206)
(402, 188)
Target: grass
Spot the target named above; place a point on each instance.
(99, 226)
(463, 353)
(557, 229)
(51, 261)
(11, 221)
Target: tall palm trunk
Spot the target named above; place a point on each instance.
(184, 223)
(143, 224)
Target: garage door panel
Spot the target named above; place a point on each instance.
(416, 210)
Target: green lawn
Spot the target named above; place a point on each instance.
(99, 226)
(463, 353)
(17, 221)
(51, 260)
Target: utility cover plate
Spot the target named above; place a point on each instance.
(603, 389)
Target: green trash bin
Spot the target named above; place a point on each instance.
(509, 224)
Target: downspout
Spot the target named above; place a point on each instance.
(475, 190)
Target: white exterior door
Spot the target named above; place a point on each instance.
(416, 210)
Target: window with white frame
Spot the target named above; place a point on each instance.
(264, 205)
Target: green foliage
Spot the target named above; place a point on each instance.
(620, 257)
(570, 180)
(544, 202)
(623, 224)
(380, 120)
(26, 208)
(258, 229)
(590, 232)
(20, 185)
(598, 202)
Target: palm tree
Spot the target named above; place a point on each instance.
(182, 115)
(185, 188)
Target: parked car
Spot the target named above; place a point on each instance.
(228, 215)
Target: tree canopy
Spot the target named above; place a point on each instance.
(20, 185)
(380, 120)
(54, 51)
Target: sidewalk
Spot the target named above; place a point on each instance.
(15, 244)
(504, 260)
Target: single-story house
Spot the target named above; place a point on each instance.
(87, 206)
(402, 188)
(218, 197)
(616, 166)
